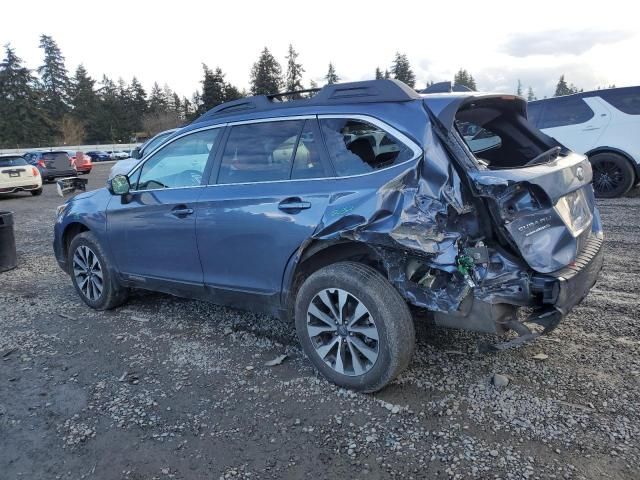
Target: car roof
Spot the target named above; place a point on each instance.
(590, 93)
(371, 91)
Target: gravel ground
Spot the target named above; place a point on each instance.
(170, 388)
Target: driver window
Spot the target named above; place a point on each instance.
(179, 164)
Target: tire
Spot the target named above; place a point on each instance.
(613, 175)
(386, 312)
(36, 192)
(87, 247)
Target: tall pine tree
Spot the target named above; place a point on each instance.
(465, 79)
(22, 123)
(85, 103)
(331, 77)
(563, 89)
(213, 89)
(401, 70)
(54, 81)
(379, 74)
(530, 95)
(266, 74)
(293, 77)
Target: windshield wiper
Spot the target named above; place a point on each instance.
(544, 157)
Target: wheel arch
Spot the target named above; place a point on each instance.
(318, 254)
(70, 232)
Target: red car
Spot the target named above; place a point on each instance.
(81, 161)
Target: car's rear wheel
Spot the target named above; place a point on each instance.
(36, 192)
(91, 274)
(354, 326)
(613, 175)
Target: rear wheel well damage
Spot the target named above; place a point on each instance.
(319, 254)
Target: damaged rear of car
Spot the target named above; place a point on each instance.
(345, 211)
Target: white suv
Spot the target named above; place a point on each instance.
(602, 124)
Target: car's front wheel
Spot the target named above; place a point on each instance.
(91, 274)
(613, 175)
(354, 326)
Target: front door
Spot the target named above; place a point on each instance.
(152, 231)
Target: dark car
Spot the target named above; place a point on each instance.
(342, 211)
(52, 164)
(99, 156)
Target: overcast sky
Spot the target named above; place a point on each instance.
(496, 41)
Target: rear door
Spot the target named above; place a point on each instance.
(264, 200)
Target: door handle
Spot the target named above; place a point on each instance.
(181, 211)
(293, 204)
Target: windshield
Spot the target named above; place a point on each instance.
(155, 142)
(12, 162)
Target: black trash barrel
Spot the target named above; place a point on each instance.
(8, 256)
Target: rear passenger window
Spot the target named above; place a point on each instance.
(259, 152)
(627, 100)
(358, 147)
(565, 111)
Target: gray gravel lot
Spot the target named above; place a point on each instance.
(170, 388)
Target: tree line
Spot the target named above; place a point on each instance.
(50, 106)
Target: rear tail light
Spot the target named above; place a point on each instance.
(35, 171)
(41, 163)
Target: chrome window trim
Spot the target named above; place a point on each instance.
(161, 146)
(415, 148)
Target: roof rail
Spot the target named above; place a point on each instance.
(339, 93)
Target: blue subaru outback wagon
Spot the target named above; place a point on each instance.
(347, 212)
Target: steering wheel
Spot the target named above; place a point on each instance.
(193, 176)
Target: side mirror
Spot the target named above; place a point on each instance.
(119, 185)
(67, 186)
(135, 153)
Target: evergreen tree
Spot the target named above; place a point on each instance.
(85, 103)
(138, 101)
(293, 78)
(54, 82)
(214, 89)
(401, 70)
(232, 93)
(465, 79)
(530, 95)
(22, 123)
(266, 74)
(379, 74)
(157, 101)
(563, 89)
(519, 88)
(387, 75)
(331, 77)
(429, 83)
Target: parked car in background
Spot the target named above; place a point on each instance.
(124, 166)
(118, 154)
(602, 124)
(81, 161)
(17, 175)
(341, 211)
(98, 156)
(52, 164)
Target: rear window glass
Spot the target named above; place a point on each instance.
(565, 111)
(259, 152)
(55, 156)
(12, 162)
(359, 147)
(625, 100)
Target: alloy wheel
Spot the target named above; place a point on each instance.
(88, 272)
(343, 332)
(607, 176)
